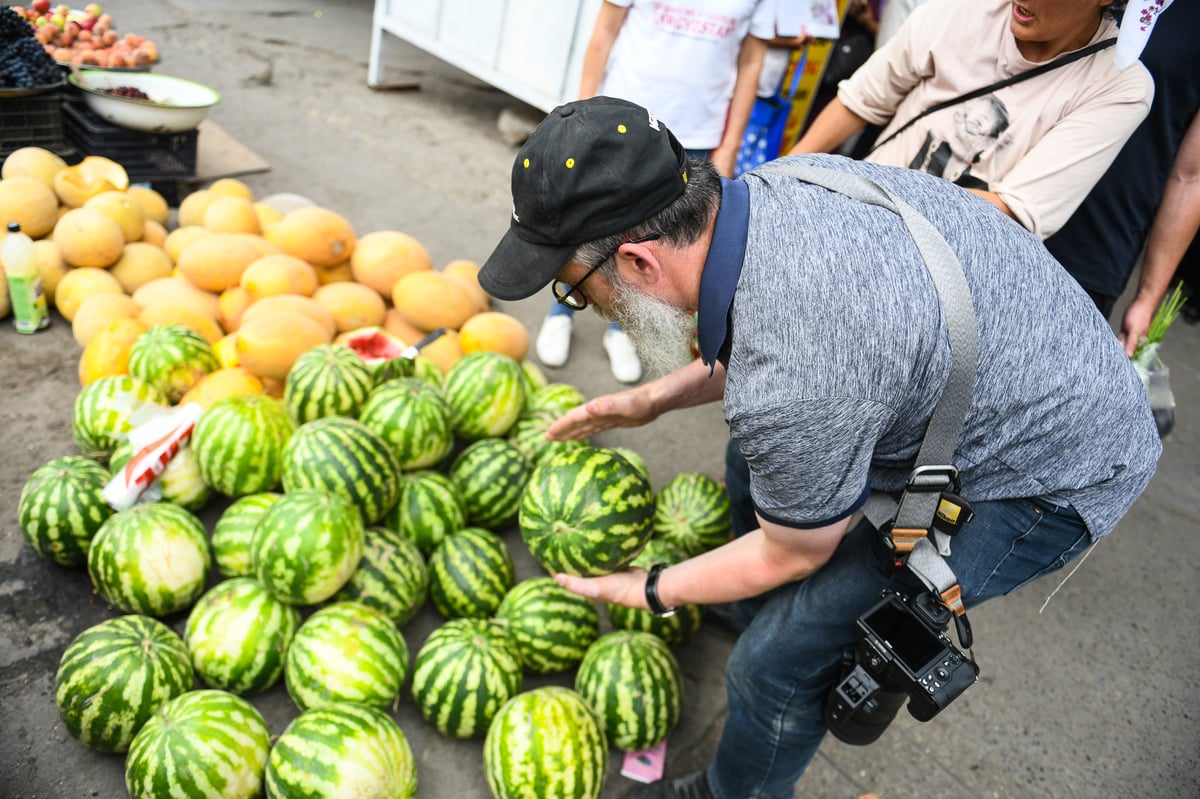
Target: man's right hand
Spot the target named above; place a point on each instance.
(631, 408)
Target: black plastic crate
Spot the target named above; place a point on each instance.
(33, 120)
(147, 157)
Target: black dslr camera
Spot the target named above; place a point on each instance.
(902, 653)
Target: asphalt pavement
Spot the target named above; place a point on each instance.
(1086, 688)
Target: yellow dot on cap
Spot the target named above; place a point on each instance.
(685, 176)
(622, 129)
(570, 163)
(527, 163)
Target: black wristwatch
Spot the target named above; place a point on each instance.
(652, 600)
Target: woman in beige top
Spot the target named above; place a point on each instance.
(1034, 149)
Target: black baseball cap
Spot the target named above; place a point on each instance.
(592, 168)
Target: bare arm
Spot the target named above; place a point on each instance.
(1175, 225)
(595, 58)
(995, 200)
(684, 388)
(745, 90)
(747, 566)
(833, 126)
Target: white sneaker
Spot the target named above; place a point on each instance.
(622, 356)
(554, 340)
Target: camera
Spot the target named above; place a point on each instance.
(901, 654)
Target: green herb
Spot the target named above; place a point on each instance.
(1165, 315)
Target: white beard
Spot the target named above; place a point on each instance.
(662, 333)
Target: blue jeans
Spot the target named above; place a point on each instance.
(790, 654)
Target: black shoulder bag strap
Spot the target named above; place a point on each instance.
(908, 524)
(1009, 81)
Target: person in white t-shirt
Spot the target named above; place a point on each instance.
(1042, 144)
(695, 64)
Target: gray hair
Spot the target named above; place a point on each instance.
(680, 223)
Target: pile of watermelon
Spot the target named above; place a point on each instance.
(341, 510)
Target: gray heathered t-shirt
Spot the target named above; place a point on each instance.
(839, 353)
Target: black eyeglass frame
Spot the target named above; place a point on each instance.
(568, 298)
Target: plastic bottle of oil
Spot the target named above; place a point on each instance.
(24, 281)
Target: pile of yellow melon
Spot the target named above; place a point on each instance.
(262, 280)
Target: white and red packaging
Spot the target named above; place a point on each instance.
(155, 443)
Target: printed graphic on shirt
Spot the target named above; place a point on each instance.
(961, 137)
(694, 21)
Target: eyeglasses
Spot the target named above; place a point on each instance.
(570, 296)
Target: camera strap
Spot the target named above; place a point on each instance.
(909, 522)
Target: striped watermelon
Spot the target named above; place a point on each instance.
(464, 672)
(469, 574)
(306, 546)
(675, 629)
(490, 476)
(632, 681)
(341, 750)
(234, 530)
(529, 436)
(535, 378)
(545, 743)
(552, 626)
(429, 509)
(61, 508)
(554, 399)
(153, 558)
(430, 372)
(391, 577)
(100, 418)
(634, 458)
(343, 456)
(180, 482)
(239, 444)
(328, 380)
(114, 675)
(587, 511)
(693, 513)
(172, 358)
(412, 417)
(485, 392)
(237, 634)
(201, 744)
(346, 652)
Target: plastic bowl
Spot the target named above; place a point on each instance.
(175, 104)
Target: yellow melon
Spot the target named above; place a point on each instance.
(231, 187)
(216, 261)
(318, 235)
(267, 215)
(179, 238)
(338, 273)
(231, 215)
(50, 266)
(98, 311)
(154, 206)
(233, 302)
(108, 352)
(94, 175)
(169, 314)
(444, 351)
(140, 262)
(279, 274)
(226, 350)
(79, 284)
(123, 210)
(193, 207)
(468, 272)
(87, 237)
(34, 162)
(176, 290)
(494, 331)
(25, 199)
(268, 344)
(154, 233)
(293, 304)
(234, 381)
(5, 297)
(276, 387)
(352, 305)
(431, 300)
(383, 257)
(395, 323)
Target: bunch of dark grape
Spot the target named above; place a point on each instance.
(24, 63)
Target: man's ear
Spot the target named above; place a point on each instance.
(642, 262)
